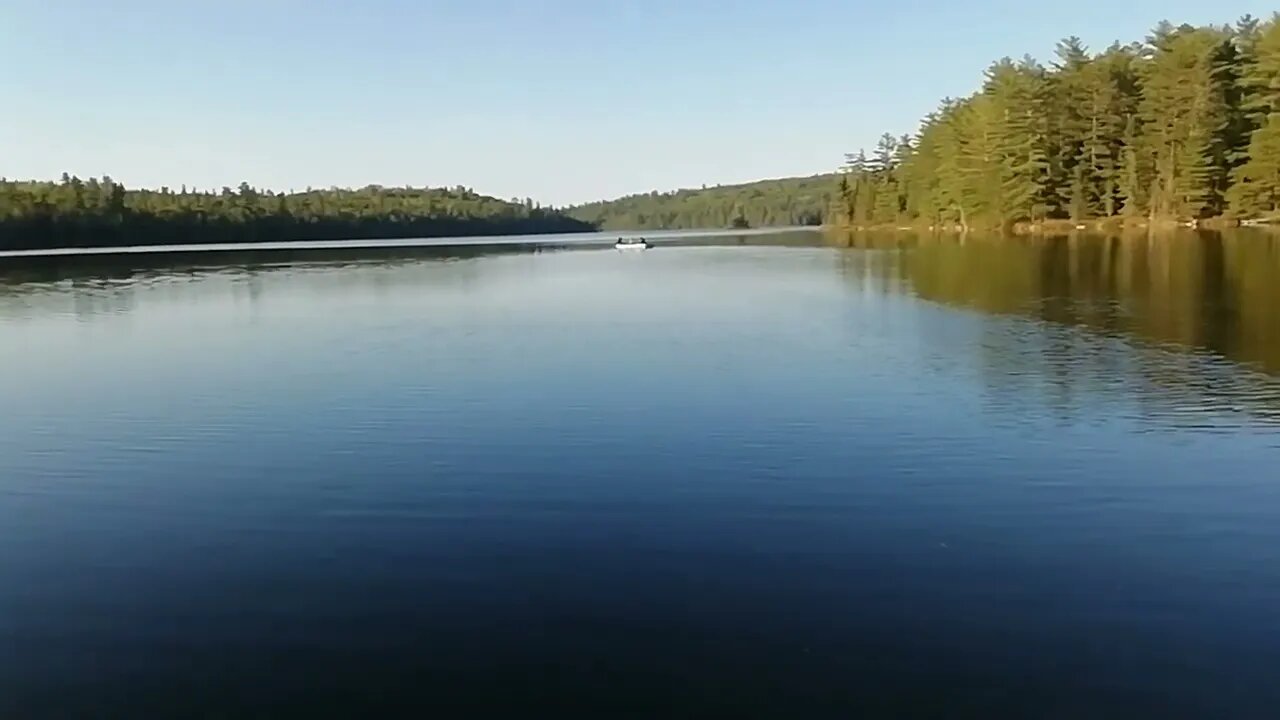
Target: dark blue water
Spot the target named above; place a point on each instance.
(719, 479)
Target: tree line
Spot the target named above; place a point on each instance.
(784, 202)
(1183, 126)
(103, 213)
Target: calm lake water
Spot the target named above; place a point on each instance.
(755, 476)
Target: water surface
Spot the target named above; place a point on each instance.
(739, 475)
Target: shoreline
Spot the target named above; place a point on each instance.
(1109, 225)
(586, 238)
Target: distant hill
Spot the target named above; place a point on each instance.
(766, 203)
(103, 213)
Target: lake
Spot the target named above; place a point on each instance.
(750, 475)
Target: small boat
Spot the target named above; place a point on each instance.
(632, 244)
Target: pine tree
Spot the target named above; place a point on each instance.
(964, 152)
(1184, 114)
(919, 171)
(1068, 101)
(886, 207)
(1244, 119)
(1018, 136)
(1110, 86)
(1260, 72)
(864, 199)
(852, 187)
(1135, 175)
(886, 150)
(1256, 188)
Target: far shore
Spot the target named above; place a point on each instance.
(575, 239)
(1063, 226)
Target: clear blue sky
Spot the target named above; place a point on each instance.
(560, 100)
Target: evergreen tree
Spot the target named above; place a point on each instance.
(954, 200)
(1172, 128)
(1018, 134)
(1068, 106)
(1256, 190)
(1184, 114)
(919, 172)
(887, 206)
(1135, 172)
(1260, 67)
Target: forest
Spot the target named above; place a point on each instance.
(1181, 127)
(789, 201)
(103, 213)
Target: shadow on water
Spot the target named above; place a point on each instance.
(19, 271)
(1211, 291)
(1200, 303)
(16, 273)
(92, 284)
